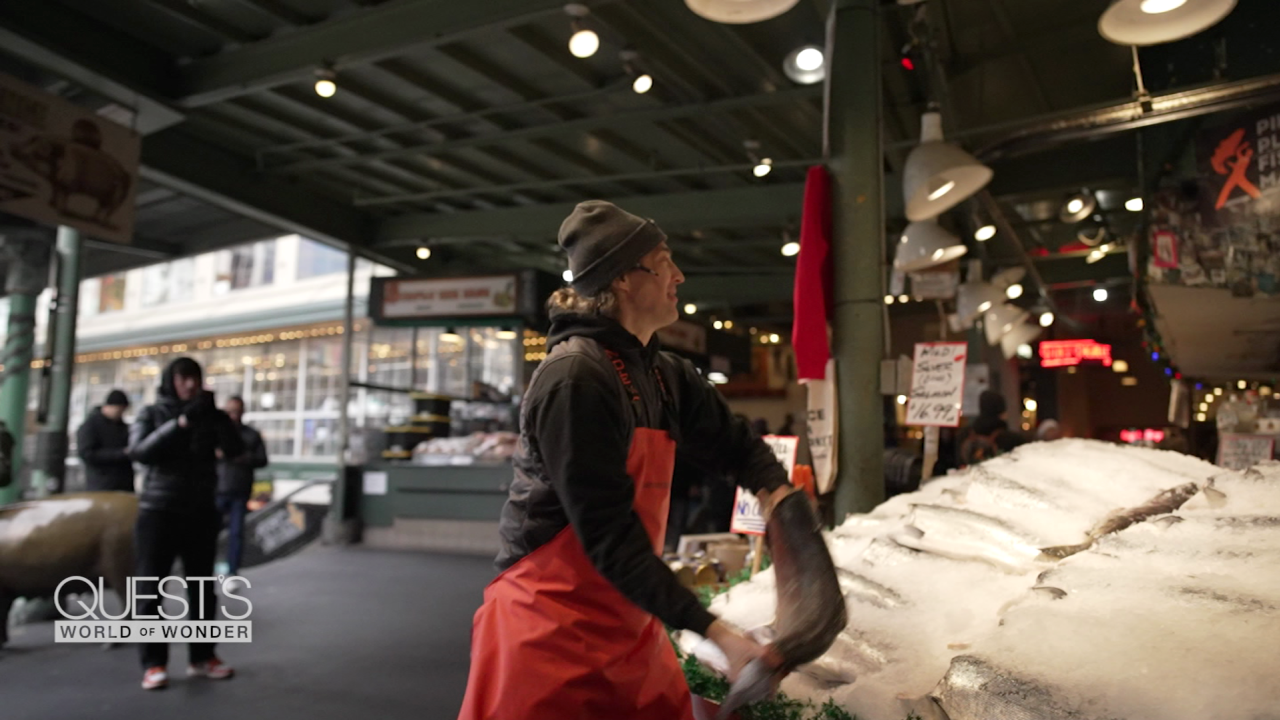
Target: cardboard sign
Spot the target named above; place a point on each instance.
(822, 425)
(1241, 452)
(63, 165)
(938, 285)
(748, 517)
(937, 384)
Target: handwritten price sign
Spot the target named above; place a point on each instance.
(937, 384)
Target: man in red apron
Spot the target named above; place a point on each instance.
(573, 627)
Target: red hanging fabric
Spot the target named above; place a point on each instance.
(813, 279)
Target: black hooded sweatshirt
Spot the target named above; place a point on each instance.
(182, 468)
(101, 443)
(576, 425)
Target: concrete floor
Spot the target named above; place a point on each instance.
(337, 633)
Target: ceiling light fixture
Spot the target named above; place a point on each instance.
(1014, 291)
(1078, 207)
(762, 168)
(567, 275)
(326, 82)
(984, 233)
(423, 252)
(739, 12)
(1152, 22)
(805, 65)
(1046, 319)
(1100, 294)
(690, 309)
(642, 82)
(1133, 204)
(791, 249)
(584, 42)
(926, 244)
(938, 174)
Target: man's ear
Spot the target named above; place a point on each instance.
(621, 284)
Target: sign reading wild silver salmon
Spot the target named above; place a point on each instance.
(937, 384)
(748, 516)
(63, 165)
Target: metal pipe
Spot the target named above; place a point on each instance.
(49, 476)
(858, 204)
(560, 182)
(27, 260)
(338, 510)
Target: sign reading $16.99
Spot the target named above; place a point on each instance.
(937, 384)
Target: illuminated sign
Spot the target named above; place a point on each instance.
(1137, 436)
(1064, 353)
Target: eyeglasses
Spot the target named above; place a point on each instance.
(645, 269)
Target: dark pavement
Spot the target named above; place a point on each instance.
(337, 633)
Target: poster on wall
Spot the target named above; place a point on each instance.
(748, 517)
(937, 384)
(63, 165)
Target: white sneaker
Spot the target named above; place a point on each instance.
(214, 669)
(155, 678)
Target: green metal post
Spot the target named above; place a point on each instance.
(857, 159)
(53, 437)
(339, 526)
(27, 257)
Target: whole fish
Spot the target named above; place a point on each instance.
(967, 535)
(975, 689)
(866, 590)
(811, 609)
(1166, 502)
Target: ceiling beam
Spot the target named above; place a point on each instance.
(188, 165)
(100, 58)
(366, 36)
(765, 204)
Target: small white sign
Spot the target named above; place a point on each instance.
(449, 297)
(935, 285)
(823, 424)
(375, 483)
(1241, 452)
(937, 384)
(748, 517)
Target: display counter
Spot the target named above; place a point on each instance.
(438, 506)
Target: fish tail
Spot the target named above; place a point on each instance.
(1059, 552)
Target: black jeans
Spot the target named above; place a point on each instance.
(159, 539)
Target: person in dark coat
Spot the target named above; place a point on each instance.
(235, 482)
(177, 439)
(102, 442)
(989, 435)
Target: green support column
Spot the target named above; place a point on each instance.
(857, 159)
(342, 524)
(53, 437)
(28, 258)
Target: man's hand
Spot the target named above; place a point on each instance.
(738, 648)
(769, 499)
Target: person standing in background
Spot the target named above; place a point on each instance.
(235, 482)
(177, 439)
(102, 442)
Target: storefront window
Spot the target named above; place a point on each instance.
(111, 293)
(319, 437)
(316, 259)
(277, 435)
(168, 282)
(275, 377)
(245, 266)
(324, 374)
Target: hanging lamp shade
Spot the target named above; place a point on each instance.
(739, 12)
(1009, 276)
(1002, 320)
(939, 175)
(924, 245)
(1019, 335)
(1152, 22)
(975, 298)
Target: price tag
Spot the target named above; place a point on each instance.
(937, 384)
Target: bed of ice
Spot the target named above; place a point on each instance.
(953, 608)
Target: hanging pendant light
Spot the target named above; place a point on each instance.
(739, 12)
(1020, 335)
(926, 244)
(1002, 320)
(805, 65)
(973, 299)
(939, 175)
(1152, 22)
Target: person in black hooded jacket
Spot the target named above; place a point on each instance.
(574, 625)
(102, 443)
(177, 439)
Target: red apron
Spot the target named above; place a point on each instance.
(554, 640)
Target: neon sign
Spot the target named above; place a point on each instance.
(1136, 436)
(1065, 353)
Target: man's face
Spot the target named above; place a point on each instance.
(235, 409)
(185, 387)
(113, 412)
(652, 295)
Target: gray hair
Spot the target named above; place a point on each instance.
(602, 304)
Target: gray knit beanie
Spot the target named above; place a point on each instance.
(603, 241)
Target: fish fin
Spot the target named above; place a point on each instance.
(1059, 552)
(1216, 497)
(1051, 591)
